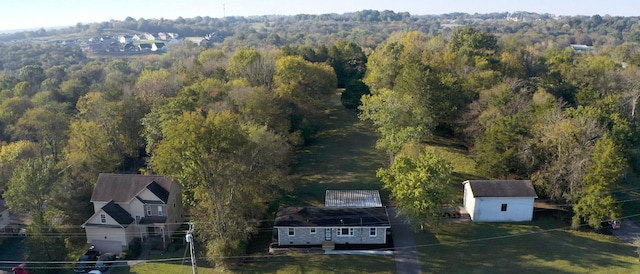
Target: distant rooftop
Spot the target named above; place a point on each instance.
(352, 198)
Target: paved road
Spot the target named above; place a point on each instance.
(628, 232)
(405, 251)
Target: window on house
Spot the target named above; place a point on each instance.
(137, 219)
(372, 232)
(103, 218)
(174, 202)
(312, 230)
(292, 231)
(504, 207)
(149, 213)
(345, 231)
(160, 211)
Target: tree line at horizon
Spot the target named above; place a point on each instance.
(225, 121)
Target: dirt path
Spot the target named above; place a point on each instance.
(405, 245)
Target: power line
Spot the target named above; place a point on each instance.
(309, 254)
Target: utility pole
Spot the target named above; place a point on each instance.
(189, 237)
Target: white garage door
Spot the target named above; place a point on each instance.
(107, 246)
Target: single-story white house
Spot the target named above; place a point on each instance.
(499, 200)
(305, 226)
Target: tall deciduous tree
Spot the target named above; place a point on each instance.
(304, 83)
(152, 86)
(11, 156)
(597, 204)
(352, 94)
(398, 118)
(420, 186)
(45, 125)
(229, 171)
(30, 186)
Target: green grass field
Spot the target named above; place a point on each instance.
(542, 246)
(343, 157)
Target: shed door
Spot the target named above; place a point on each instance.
(327, 234)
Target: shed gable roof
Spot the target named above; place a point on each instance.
(332, 216)
(122, 188)
(352, 198)
(502, 188)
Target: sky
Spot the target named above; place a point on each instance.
(24, 14)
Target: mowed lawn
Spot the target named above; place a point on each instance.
(545, 245)
(342, 156)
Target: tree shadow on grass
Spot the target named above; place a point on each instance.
(320, 263)
(537, 247)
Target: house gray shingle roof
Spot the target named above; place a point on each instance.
(332, 217)
(121, 188)
(502, 188)
(352, 198)
(118, 213)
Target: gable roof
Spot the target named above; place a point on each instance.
(332, 217)
(122, 188)
(159, 191)
(502, 188)
(118, 213)
(352, 198)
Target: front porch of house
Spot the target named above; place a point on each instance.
(154, 235)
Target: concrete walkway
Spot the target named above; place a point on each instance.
(404, 245)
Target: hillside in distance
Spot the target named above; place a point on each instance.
(368, 28)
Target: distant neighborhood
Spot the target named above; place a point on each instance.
(137, 43)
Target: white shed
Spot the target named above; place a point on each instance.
(499, 200)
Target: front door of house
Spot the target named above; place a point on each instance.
(327, 234)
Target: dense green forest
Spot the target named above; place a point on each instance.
(224, 119)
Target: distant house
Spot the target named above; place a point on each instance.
(148, 36)
(158, 47)
(173, 35)
(198, 40)
(308, 226)
(499, 200)
(144, 47)
(352, 198)
(129, 206)
(162, 36)
(130, 47)
(137, 37)
(125, 39)
(581, 48)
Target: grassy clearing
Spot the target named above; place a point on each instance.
(321, 263)
(541, 246)
(342, 156)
